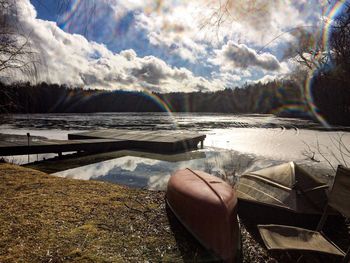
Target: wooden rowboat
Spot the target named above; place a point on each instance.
(207, 207)
(281, 194)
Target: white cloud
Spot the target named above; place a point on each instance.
(257, 22)
(129, 54)
(229, 80)
(266, 79)
(233, 55)
(171, 28)
(71, 59)
(173, 31)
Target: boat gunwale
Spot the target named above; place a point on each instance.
(261, 178)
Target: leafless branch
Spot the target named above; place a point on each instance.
(324, 157)
(335, 153)
(309, 153)
(15, 46)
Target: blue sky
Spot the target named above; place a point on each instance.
(164, 46)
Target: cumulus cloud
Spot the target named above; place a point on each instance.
(174, 31)
(161, 45)
(72, 59)
(154, 71)
(229, 79)
(259, 22)
(234, 55)
(188, 24)
(129, 54)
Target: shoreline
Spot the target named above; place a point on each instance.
(49, 218)
(215, 160)
(46, 218)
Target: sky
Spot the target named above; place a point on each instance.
(163, 46)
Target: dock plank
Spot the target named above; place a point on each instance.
(157, 141)
(108, 140)
(59, 146)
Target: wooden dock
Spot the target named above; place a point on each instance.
(154, 141)
(58, 146)
(108, 140)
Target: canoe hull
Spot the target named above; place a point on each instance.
(207, 207)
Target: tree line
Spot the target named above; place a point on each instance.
(46, 98)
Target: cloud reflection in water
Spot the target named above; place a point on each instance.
(148, 173)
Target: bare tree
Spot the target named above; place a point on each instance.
(340, 39)
(311, 51)
(15, 48)
(225, 12)
(16, 54)
(308, 49)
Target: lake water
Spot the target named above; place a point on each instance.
(234, 143)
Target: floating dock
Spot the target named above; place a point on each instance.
(58, 146)
(154, 141)
(108, 140)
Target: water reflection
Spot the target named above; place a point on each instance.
(149, 121)
(281, 139)
(154, 174)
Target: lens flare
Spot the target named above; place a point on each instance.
(329, 13)
(291, 110)
(157, 100)
(163, 104)
(65, 20)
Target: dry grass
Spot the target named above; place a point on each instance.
(49, 219)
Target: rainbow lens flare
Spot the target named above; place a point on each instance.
(329, 13)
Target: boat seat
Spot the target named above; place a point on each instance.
(279, 237)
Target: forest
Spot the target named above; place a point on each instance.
(274, 97)
(283, 98)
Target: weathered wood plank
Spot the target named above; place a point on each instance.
(166, 136)
(155, 141)
(108, 140)
(56, 146)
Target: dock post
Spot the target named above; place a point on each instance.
(28, 137)
(202, 144)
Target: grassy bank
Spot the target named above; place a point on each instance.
(48, 219)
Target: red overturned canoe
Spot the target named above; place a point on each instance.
(207, 207)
